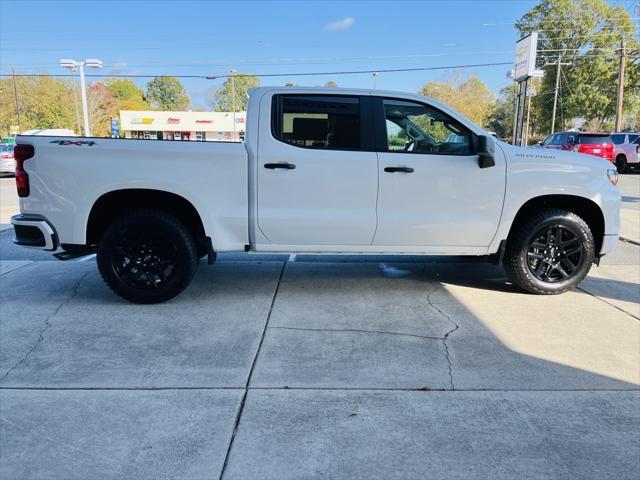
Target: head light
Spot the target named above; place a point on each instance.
(612, 175)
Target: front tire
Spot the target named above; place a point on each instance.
(147, 256)
(549, 253)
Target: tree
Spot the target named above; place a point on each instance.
(586, 34)
(101, 106)
(167, 93)
(501, 119)
(331, 84)
(223, 98)
(472, 97)
(44, 102)
(127, 94)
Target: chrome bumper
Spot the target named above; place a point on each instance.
(34, 232)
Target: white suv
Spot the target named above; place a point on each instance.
(626, 154)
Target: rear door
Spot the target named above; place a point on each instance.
(432, 191)
(317, 171)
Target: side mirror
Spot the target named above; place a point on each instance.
(486, 150)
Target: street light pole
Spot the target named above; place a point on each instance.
(79, 66)
(233, 99)
(83, 95)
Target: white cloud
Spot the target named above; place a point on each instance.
(344, 24)
(118, 67)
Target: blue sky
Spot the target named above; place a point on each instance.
(210, 38)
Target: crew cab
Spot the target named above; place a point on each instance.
(321, 170)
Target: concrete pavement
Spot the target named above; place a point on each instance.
(360, 370)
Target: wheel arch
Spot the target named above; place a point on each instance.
(111, 204)
(585, 208)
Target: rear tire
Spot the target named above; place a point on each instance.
(621, 163)
(147, 256)
(549, 253)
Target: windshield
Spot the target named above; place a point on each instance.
(5, 148)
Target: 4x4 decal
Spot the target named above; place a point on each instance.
(78, 143)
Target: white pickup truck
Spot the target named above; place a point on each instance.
(321, 170)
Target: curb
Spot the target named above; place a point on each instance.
(5, 226)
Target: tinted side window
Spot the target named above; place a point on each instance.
(560, 139)
(417, 128)
(617, 139)
(572, 139)
(633, 138)
(331, 122)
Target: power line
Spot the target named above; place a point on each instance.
(289, 74)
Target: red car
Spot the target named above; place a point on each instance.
(592, 143)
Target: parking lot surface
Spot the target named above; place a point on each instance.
(282, 367)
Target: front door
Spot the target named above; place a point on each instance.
(432, 191)
(317, 171)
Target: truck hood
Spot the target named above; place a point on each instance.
(555, 159)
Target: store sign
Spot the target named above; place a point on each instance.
(115, 128)
(240, 120)
(142, 121)
(173, 121)
(204, 121)
(525, 61)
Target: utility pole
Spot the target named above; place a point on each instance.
(15, 96)
(555, 95)
(620, 99)
(375, 78)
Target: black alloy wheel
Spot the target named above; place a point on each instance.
(147, 256)
(549, 252)
(554, 254)
(144, 258)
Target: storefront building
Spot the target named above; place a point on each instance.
(194, 126)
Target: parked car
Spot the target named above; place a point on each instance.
(7, 162)
(318, 172)
(591, 143)
(626, 150)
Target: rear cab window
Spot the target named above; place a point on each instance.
(331, 122)
(594, 138)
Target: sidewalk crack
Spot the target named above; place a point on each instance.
(47, 324)
(355, 330)
(446, 335)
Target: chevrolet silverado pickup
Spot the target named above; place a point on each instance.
(321, 170)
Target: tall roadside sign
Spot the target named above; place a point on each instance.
(524, 68)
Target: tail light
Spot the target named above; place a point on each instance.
(21, 153)
(608, 151)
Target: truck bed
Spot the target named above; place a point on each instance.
(69, 174)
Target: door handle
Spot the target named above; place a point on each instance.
(274, 166)
(398, 169)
